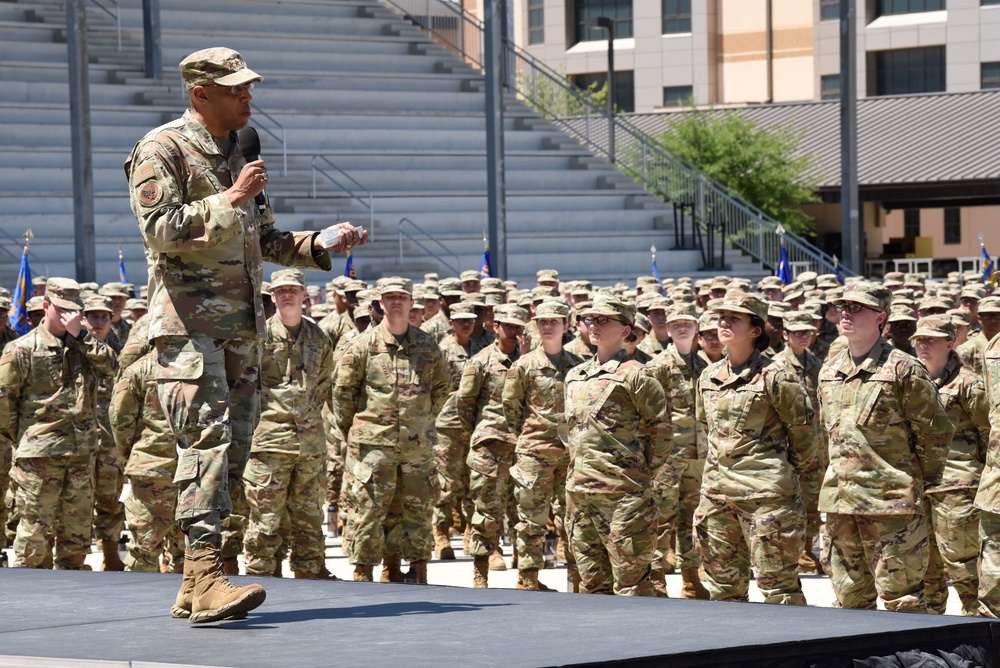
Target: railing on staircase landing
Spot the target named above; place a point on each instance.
(362, 195)
(711, 205)
(400, 233)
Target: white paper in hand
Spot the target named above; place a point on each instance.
(329, 237)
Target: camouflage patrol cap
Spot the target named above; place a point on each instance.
(547, 275)
(288, 277)
(708, 321)
(612, 307)
(893, 278)
(989, 305)
(658, 303)
(470, 275)
(137, 303)
(901, 313)
(143, 291)
(418, 303)
(551, 309)
(97, 303)
(540, 292)
(510, 285)
(4, 292)
(826, 281)
(742, 302)
(114, 290)
(682, 311)
(5, 303)
(719, 282)
(769, 283)
(396, 284)
(873, 295)
(361, 311)
(431, 278)
(960, 317)
(64, 293)
(936, 326)
(776, 309)
(219, 66)
(493, 299)
(313, 291)
(642, 323)
(928, 304)
(972, 292)
(798, 321)
(809, 277)
(450, 287)
(474, 298)
(352, 285)
(510, 314)
(741, 284)
(35, 304)
(463, 311)
(491, 286)
(39, 280)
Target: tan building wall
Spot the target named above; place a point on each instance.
(973, 221)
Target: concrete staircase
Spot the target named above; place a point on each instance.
(350, 82)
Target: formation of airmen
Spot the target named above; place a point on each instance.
(713, 427)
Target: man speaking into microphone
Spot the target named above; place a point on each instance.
(192, 192)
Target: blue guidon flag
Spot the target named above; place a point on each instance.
(989, 268)
(22, 293)
(349, 267)
(484, 266)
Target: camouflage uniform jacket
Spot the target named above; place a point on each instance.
(988, 496)
(457, 356)
(120, 331)
(820, 348)
(296, 375)
(205, 255)
(971, 353)
(337, 326)
(806, 368)
(140, 428)
(438, 326)
(386, 393)
(48, 393)
(482, 342)
(888, 433)
(761, 438)
(641, 356)
(652, 345)
(534, 400)
(678, 375)
(580, 348)
(479, 401)
(136, 345)
(619, 427)
(963, 395)
(7, 335)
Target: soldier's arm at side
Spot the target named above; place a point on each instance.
(324, 374)
(126, 405)
(13, 373)
(791, 402)
(440, 382)
(656, 431)
(347, 385)
(467, 397)
(977, 407)
(514, 393)
(922, 409)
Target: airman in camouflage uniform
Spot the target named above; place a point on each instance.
(761, 450)
(972, 352)
(286, 472)
(479, 403)
(7, 334)
(534, 401)
(48, 386)
(192, 192)
(888, 436)
(389, 385)
(619, 435)
(118, 294)
(988, 494)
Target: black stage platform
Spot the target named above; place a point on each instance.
(123, 617)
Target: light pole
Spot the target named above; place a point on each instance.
(605, 23)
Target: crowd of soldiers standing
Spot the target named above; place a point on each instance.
(708, 426)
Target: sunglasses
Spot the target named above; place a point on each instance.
(601, 320)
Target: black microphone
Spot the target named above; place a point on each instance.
(250, 148)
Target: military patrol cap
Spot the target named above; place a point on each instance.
(352, 285)
(35, 304)
(682, 311)
(540, 292)
(39, 280)
(97, 303)
(450, 287)
(776, 309)
(719, 282)
(5, 303)
(989, 305)
(463, 311)
(928, 303)
(937, 326)
(64, 293)
(868, 294)
(510, 314)
(312, 291)
(396, 284)
(361, 311)
(769, 283)
(708, 321)
(646, 280)
(960, 317)
(741, 284)
(418, 303)
(547, 275)
(973, 292)
(491, 286)
(492, 299)
(612, 307)
(431, 278)
(551, 309)
(133, 304)
(265, 288)
(474, 298)
(218, 65)
(742, 302)
(807, 277)
(4, 292)
(893, 279)
(798, 321)
(901, 313)
(826, 281)
(658, 303)
(288, 277)
(642, 322)
(470, 275)
(113, 290)
(510, 285)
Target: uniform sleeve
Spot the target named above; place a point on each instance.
(514, 396)
(14, 369)
(348, 381)
(103, 361)
(976, 404)
(324, 384)
(467, 397)
(440, 382)
(699, 404)
(791, 402)
(126, 406)
(292, 249)
(922, 408)
(656, 432)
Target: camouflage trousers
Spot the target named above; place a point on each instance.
(55, 505)
(5, 464)
(954, 550)
(109, 514)
(878, 555)
(490, 488)
(450, 453)
(283, 490)
(392, 495)
(765, 534)
(689, 498)
(334, 471)
(539, 477)
(208, 390)
(666, 493)
(613, 538)
(149, 515)
(989, 564)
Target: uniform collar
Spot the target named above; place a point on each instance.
(725, 375)
(390, 340)
(869, 364)
(204, 137)
(951, 369)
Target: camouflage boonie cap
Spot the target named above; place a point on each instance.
(510, 314)
(989, 305)
(35, 304)
(97, 303)
(682, 311)
(960, 317)
(612, 307)
(114, 290)
(288, 277)
(742, 302)
(643, 323)
(396, 284)
(551, 309)
(901, 313)
(470, 275)
(218, 65)
(64, 293)
(868, 294)
(708, 321)
(798, 321)
(936, 326)
(547, 275)
(462, 311)
(769, 283)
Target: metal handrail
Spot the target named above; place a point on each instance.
(367, 200)
(400, 232)
(711, 204)
(282, 139)
(116, 15)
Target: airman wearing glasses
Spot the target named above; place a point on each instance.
(888, 442)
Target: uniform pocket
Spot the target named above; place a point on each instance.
(183, 366)
(188, 466)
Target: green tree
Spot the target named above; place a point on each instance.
(553, 95)
(761, 165)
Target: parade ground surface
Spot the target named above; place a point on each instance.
(120, 619)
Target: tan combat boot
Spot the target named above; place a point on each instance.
(112, 562)
(442, 543)
(480, 572)
(693, 588)
(231, 565)
(216, 598)
(391, 571)
(182, 605)
(417, 573)
(573, 576)
(659, 580)
(363, 573)
(527, 580)
(670, 561)
(496, 561)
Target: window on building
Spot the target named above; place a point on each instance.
(829, 87)
(884, 7)
(536, 21)
(676, 16)
(990, 74)
(905, 71)
(829, 10)
(619, 11)
(677, 96)
(624, 88)
(911, 222)
(990, 2)
(953, 226)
